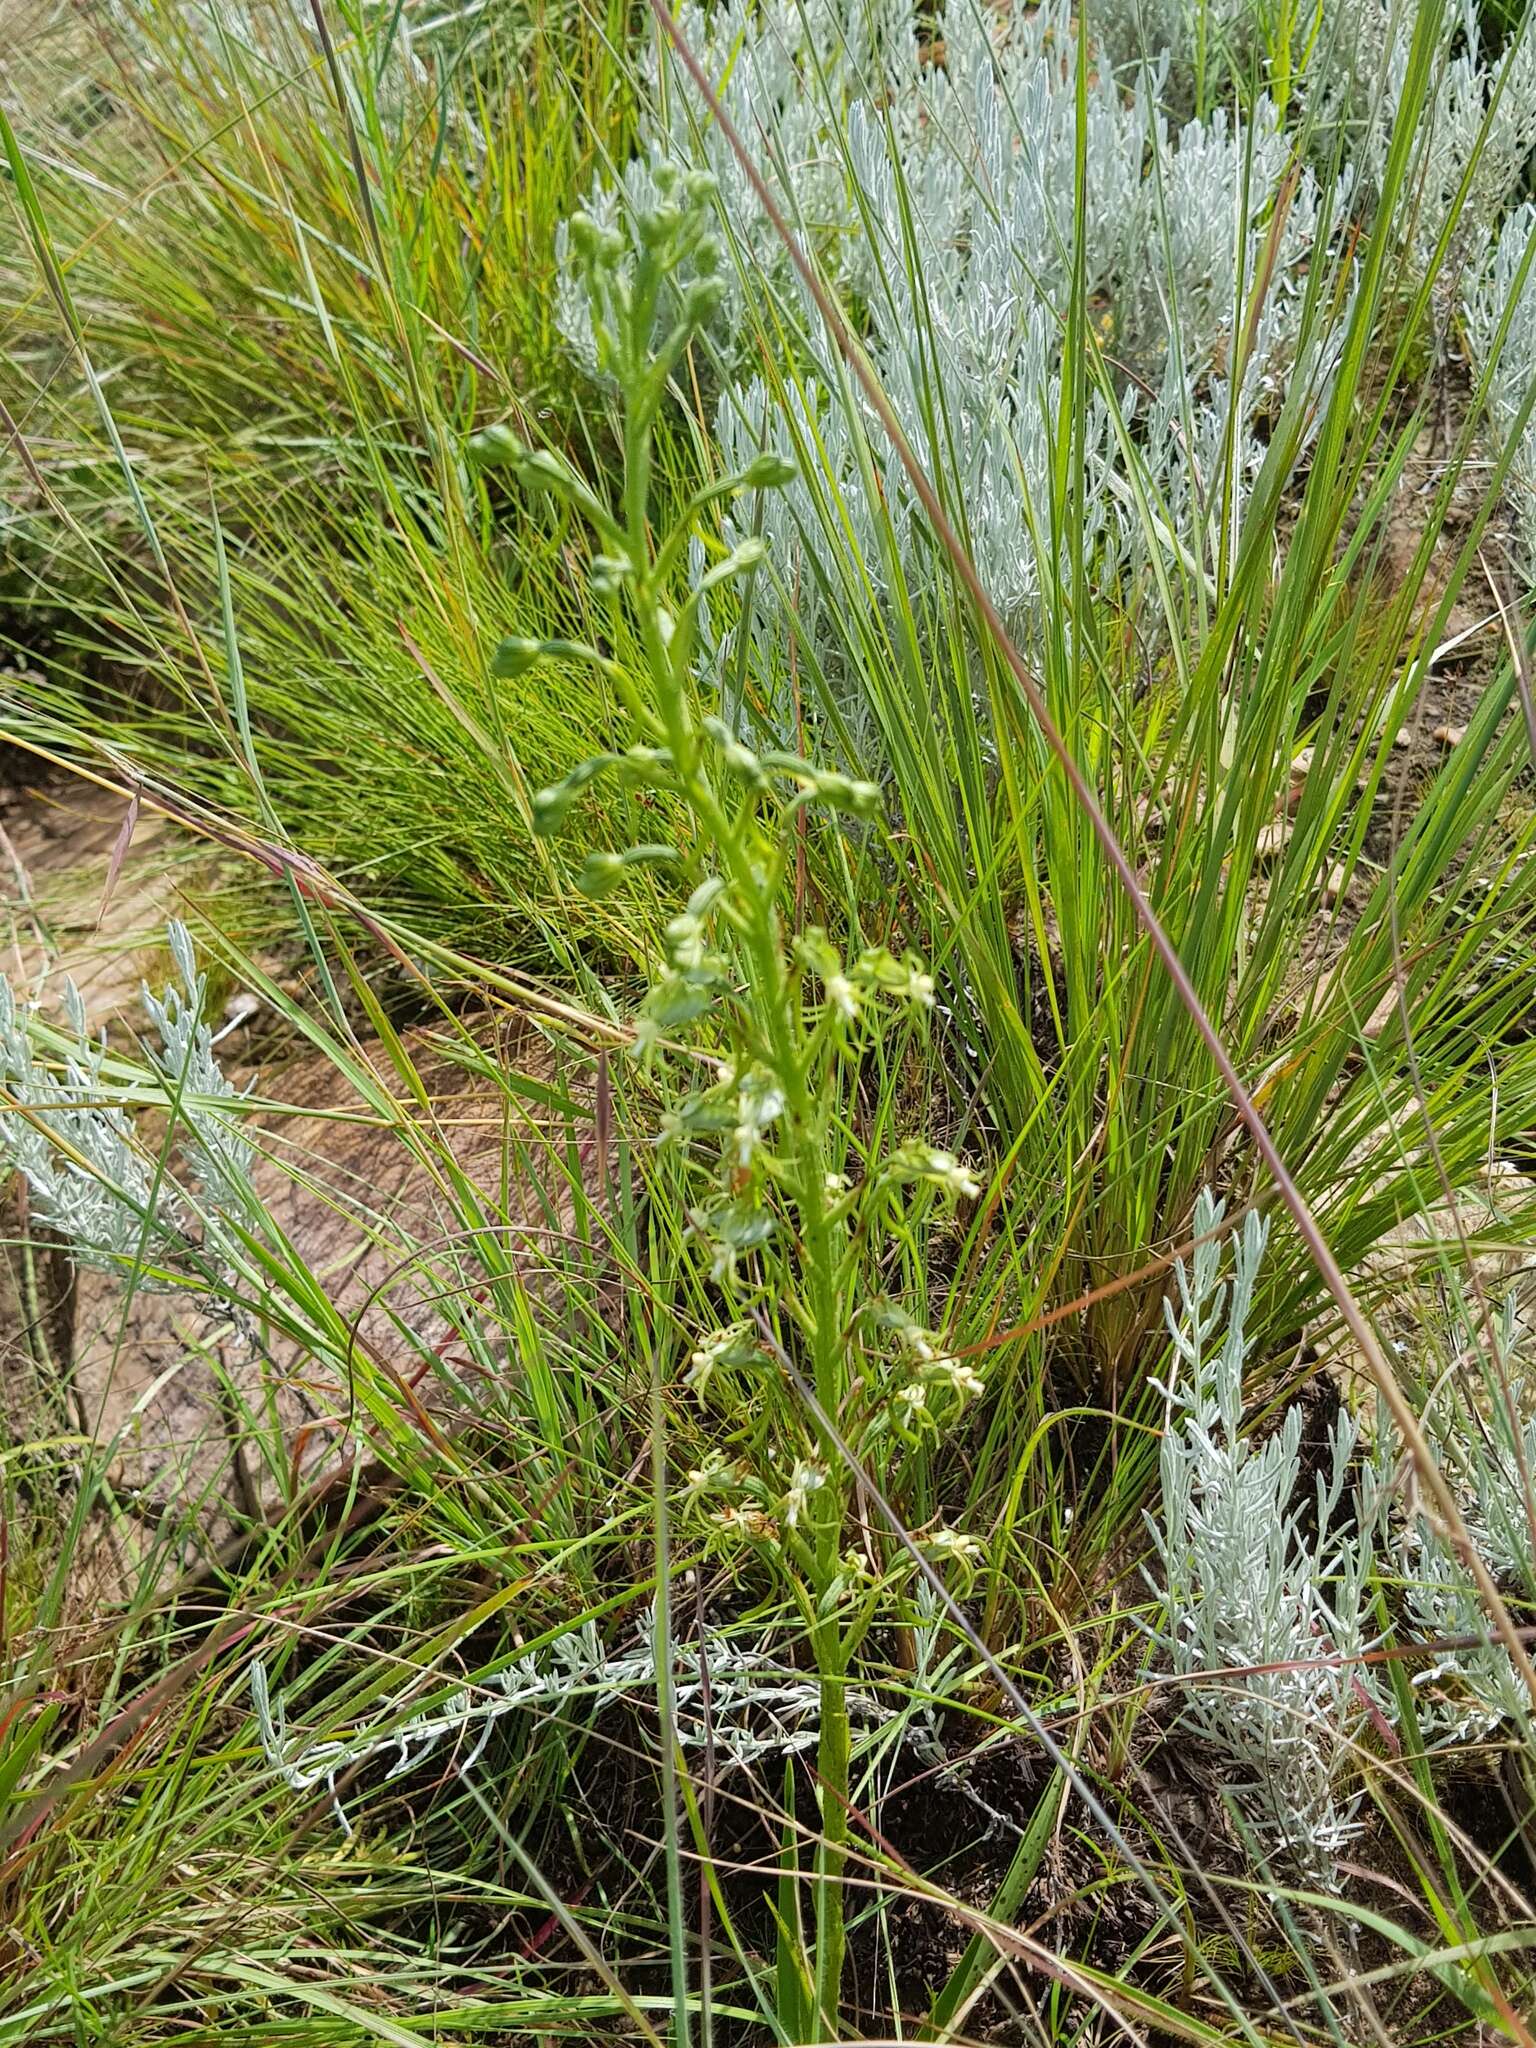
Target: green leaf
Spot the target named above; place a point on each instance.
(981, 1952)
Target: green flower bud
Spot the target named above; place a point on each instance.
(657, 229)
(739, 759)
(651, 765)
(703, 299)
(543, 466)
(583, 228)
(515, 656)
(706, 896)
(588, 240)
(768, 472)
(677, 1002)
(496, 448)
(601, 874)
(847, 793)
(551, 807)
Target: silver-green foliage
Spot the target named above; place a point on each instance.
(1499, 317)
(1247, 1588)
(70, 1128)
(1482, 1424)
(945, 198)
(1259, 1582)
(1339, 68)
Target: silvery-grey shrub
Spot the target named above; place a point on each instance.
(88, 1178)
(943, 199)
(1503, 287)
(217, 1147)
(966, 331)
(731, 1694)
(777, 66)
(1249, 1582)
(70, 1127)
(1481, 1422)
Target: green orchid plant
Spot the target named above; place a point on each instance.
(787, 1204)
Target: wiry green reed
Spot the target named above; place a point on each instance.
(328, 272)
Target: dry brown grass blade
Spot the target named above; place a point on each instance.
(119, 854)
(1431, 1479)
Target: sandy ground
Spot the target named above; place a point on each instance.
(164, 1383)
